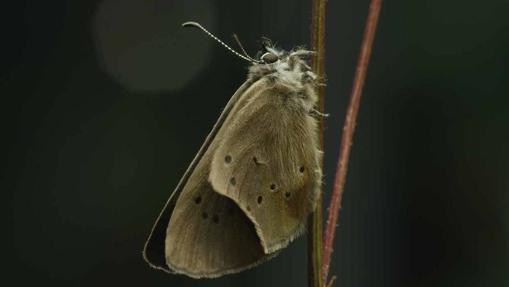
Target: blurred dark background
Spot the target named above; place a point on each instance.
(104, 104)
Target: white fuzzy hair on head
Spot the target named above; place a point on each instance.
(290, 67)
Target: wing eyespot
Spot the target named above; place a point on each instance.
(259, 200)
(273, 187)
(228, 159)
(197, 200)
(288, 194)
(302, 169)
(233, 181)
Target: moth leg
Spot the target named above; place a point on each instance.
(315, 112)
(257, 161)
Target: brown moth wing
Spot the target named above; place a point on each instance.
(269, 164)
(208, 235)
(201, 233)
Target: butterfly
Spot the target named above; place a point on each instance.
(257, 177)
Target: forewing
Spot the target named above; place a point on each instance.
(268, 163)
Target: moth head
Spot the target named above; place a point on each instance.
(287, 66)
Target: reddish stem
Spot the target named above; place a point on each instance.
(346, 137)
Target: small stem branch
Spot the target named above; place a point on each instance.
(318, 66)
(348, 131)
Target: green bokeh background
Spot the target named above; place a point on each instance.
(104, 104)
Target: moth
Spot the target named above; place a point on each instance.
(249, 190)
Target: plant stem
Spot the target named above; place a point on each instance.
(348, 130)
(318, 66)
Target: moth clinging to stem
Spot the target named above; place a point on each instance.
(256, 178)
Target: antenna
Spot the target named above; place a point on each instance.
(197, 25)
(240, 45)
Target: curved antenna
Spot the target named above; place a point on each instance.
(197, 25)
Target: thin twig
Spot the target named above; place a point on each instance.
(348, 130)
(318, 66)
